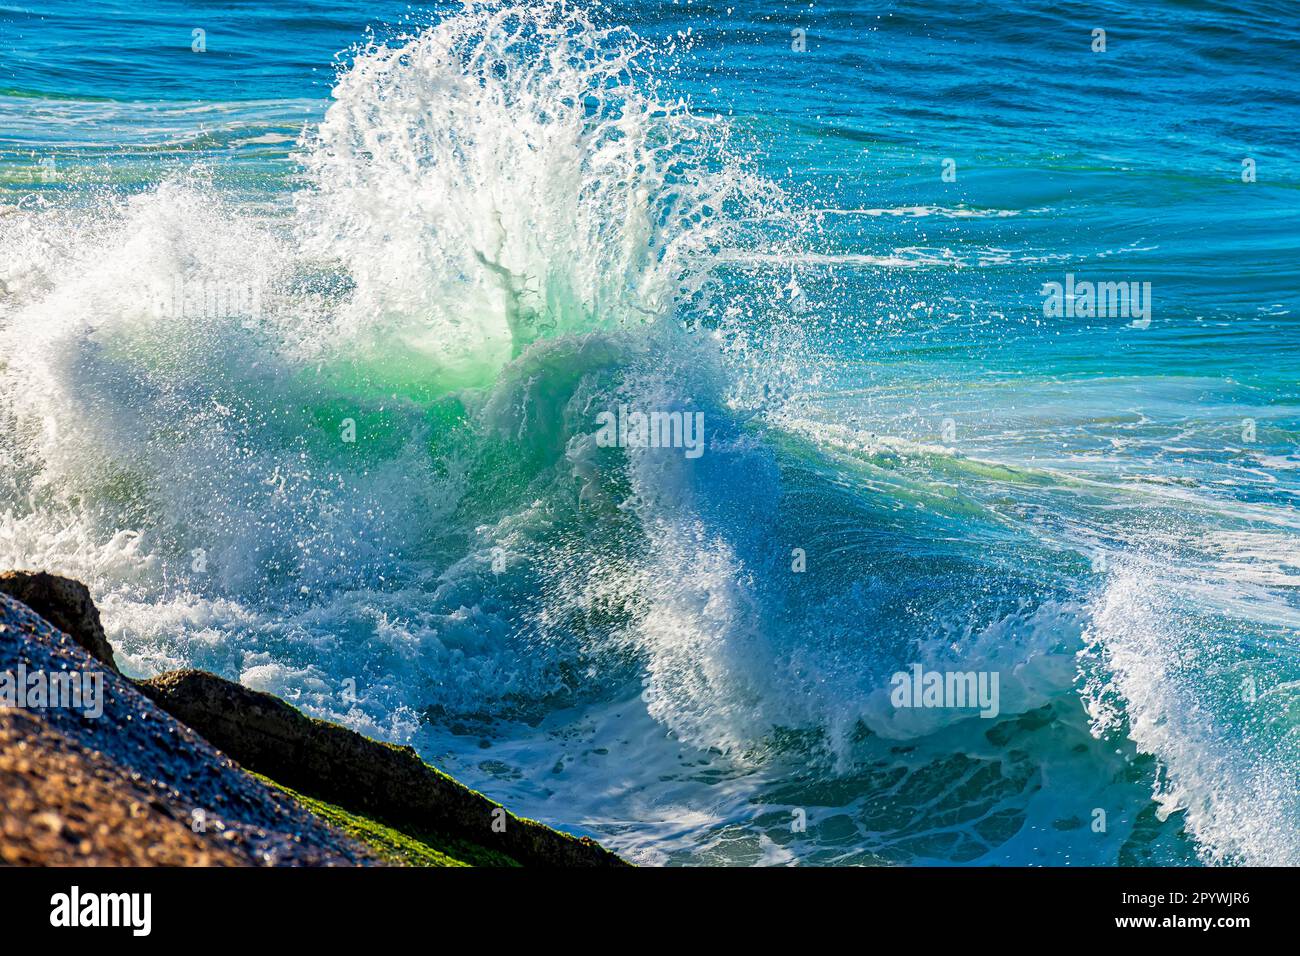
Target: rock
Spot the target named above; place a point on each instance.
(63, 602)
(115, 781)
(381, 781)
(146, 766)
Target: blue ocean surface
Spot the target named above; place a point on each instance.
(313, 316)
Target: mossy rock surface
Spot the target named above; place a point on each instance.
(382, 783)
(388, 843)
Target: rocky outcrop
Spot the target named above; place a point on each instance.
(159, 776)
(63, 602)
(104, 777)
(388, 783)
(66, 805)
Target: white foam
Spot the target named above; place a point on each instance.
(1166, 681)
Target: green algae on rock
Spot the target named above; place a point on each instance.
(382, 782)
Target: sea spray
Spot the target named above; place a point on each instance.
(364, 480)
(513, 173)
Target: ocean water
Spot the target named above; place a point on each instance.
(309, 313)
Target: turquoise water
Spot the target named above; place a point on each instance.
(307, 319)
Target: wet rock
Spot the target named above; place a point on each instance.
(149, 766)
(63, 602)
(382, 781)
(114, 781)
